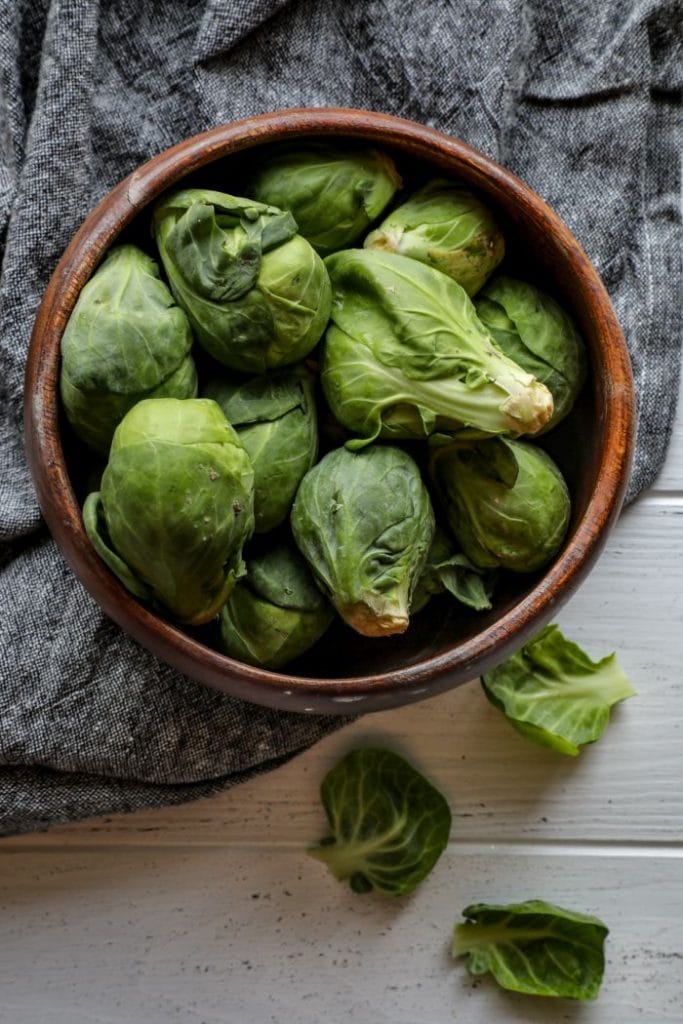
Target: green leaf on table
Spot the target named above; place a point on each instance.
(389, 824)
(534, 947)
(553, 694)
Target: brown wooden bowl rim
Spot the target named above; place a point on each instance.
(60, 507)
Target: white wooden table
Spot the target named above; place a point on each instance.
(212, 913)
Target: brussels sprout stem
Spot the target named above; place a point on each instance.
(378, 616)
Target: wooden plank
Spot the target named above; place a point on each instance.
(249, 937)
(500, 785)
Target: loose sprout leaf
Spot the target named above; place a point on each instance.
(552, 692)
(389, 825)
(449, 571)
(534, 947)
(466, 583)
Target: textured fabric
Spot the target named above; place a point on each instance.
(581, 99)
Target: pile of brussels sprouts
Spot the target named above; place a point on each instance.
(313, 332)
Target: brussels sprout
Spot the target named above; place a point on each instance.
(277, 612)
(334, 193)
(534, 947)
(531, 328)
(446, 227)
(389, 824)
(125, 341)
(176, 506)
(275, 418)
(256, 293)
(364, 522)
(406, 356)
(449, 571)
(506, 502)
(551, 692)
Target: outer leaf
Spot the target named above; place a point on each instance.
(406, 356)
(389, 826)
(96, 529)
(553, 693)
(534, 947)
(364, 523)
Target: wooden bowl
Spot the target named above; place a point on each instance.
(446, 645)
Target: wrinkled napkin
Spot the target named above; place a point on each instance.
(581, 99)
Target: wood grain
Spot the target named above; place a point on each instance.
(213, 936)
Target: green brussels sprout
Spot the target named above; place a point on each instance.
(534, 330)
(405, 356)
(449, 571)
(125, 340)
(334, 193)
(176, 506)
(276, 421)
(388, 824)
(257, 294)
(446, 227)
(364, 522)
(553, 694)
(276, 612)
(506, 502)
(533, 947)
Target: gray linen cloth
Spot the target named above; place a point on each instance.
(579, 98)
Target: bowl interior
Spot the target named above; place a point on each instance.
(444, 628)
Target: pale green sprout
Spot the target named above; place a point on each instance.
(276, 612)
(534, 330)
(506, 502)
(275, 418)
(447, 227)
(175, 506)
